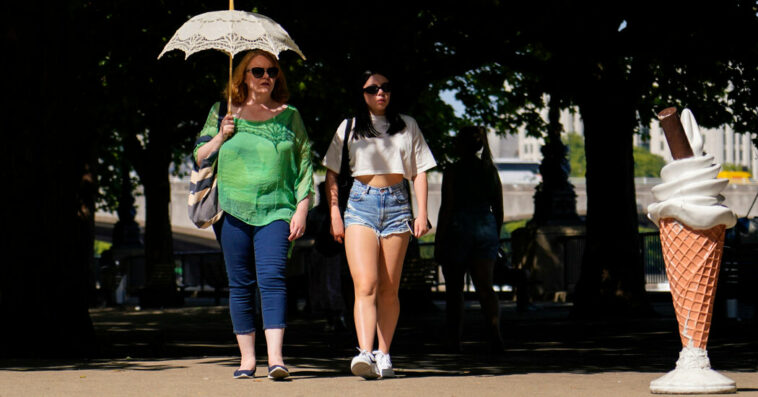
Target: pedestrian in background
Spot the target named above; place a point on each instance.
(468, 232)
(325, 259)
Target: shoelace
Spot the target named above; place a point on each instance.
(367, 354)
(383, 360)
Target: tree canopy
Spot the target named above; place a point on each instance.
(575, 145)
(618, 64)
(88, 88)
(647, 164)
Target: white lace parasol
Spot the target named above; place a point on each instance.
(231, 31)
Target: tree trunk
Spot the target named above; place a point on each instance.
(160, 289)
(612, 279)
(47, 238)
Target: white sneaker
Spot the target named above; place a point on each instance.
(383, 364)
(364, 365)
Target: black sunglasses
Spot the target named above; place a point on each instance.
(373, 89)
(258, 72)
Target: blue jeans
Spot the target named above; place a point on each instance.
(255, 256)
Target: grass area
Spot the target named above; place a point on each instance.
(101, 246)
(427, 251)
(509, 227)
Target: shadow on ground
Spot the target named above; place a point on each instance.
(541, 340)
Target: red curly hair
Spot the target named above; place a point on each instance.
(280, 93)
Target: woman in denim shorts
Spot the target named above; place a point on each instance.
(384, 148)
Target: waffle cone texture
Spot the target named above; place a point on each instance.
(693, 258)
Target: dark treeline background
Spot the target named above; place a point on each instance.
(86, 99)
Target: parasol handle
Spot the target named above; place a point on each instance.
(229, 91)
(231, 59)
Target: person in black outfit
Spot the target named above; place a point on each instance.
(326, 262)
(468, 232)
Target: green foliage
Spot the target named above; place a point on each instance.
(146, 112)
(142, 96)
(427, 251)
(575, 147)
(426, 248)
(101, 246)
(502, 58)
(646, 229)
(510, 226)
(647, 164)
(733, 167)
(497, 96)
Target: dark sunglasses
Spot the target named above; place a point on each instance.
(258, 72)
(373, 89)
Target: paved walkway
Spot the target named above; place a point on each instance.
(190, 352)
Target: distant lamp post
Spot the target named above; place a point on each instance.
(554, 199)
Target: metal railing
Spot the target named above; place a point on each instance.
(573, 253)
(204, 271)
(652, 259)
(201, 272)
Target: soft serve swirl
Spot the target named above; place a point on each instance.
(690, 191)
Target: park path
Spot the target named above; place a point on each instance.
(190, 352)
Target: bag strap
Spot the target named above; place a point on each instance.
(222, 108)
(345, 165)
(221, 114)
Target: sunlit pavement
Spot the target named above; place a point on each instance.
(191, 351)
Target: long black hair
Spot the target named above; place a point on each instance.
(471, 139)
(364, 128)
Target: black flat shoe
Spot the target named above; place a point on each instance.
(278, 372)
(244, 373)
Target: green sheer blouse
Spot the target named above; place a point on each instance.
(264, 169)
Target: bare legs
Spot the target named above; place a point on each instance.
(481, 275)
(390, 269)
(274, 342)
(454, 277)
(246, 344)
(376, 266)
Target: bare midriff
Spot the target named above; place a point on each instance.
(381, 180)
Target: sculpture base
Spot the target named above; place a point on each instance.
(693, 375)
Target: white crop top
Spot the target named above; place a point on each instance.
(405, 152)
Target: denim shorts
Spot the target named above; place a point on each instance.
(383, 209)
(475, 235)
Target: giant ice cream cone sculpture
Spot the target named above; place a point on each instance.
(692, 222)
(692, 265)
